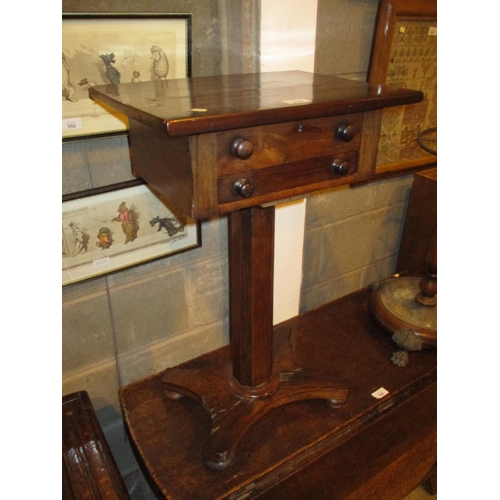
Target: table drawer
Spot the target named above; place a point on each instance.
(289, 179)
(254, 148)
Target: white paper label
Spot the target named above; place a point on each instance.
(380, 393)
(297, 101)
(72, 124)
(101, 262)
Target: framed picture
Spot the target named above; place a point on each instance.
(404, 55)
(109, 49)
(113, 230)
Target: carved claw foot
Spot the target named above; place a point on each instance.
(407, 340)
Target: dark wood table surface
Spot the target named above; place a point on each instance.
(366, 448)
(200, 105)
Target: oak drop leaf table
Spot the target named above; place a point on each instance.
(367, 448)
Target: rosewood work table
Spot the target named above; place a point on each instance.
(238, 145)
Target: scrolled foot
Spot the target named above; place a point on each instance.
(333, 403)
(217, 461)
(173, 395)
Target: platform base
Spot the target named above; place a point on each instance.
(232, 415)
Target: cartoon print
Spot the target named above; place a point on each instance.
(67, 88)
(129, 222)
(136, 76)
(85, 83)
(111, 72)
(168, 224)
(104, 237)
(80, 238)
(160, 63)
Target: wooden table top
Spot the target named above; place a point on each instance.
(188, 106)
(339, 336)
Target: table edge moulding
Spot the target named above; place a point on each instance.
(237, 145)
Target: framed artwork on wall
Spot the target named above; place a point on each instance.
(111, 230)
(109, 49)
(404, 55)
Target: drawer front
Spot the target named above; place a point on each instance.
(255, 148)
(289, 179)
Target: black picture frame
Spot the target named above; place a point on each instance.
(108, 229)
(85, 63)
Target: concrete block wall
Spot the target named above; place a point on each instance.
(352, 238)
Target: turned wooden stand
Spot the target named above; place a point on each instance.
(239, 144)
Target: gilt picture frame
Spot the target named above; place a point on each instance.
(119, 228)
(404, 55)
(109, 49)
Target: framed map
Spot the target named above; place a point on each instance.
(404, 55)
(110, 49)
(113, 230)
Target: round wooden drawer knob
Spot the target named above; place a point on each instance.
(243, 188)
(346, 132)
(340, 167)
(241, 148)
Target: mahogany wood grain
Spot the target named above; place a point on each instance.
(203, 150)
(289, 180)
(303, 449)
(166, 166)
(369, 145)
(251, 264)
(182, 132)
(283, 143)
(216, 103)
(420, 223)
(89, 470)
(428, 285)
